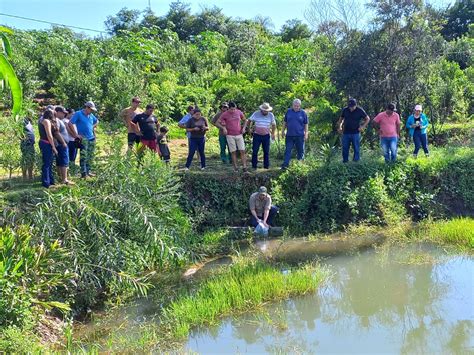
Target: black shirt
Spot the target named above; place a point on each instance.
(201, 123)
(147, 125)
(417, 120)
(352, 119)
(163, 145)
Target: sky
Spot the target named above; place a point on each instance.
(92, 13)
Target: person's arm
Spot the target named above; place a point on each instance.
(189, 126)
(182, 123)
(284, 125)
(49, 135)
(248, 123)
(273, 129)
(252, 208)
(244, 119)
(306, 126)
(216, 118)
(266, 212)
(220, 125)
(365, 123)
(426, 122)
(206, 125)
(72, 125)
(340, 124)
(399, 124)
(96, 122)
(71, 132)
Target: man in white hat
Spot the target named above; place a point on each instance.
(265, 125)
(83, 125)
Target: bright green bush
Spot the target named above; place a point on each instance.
(30, 272)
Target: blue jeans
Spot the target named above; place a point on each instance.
(196, 144)
(290, 142)
(347, 140)
(271, 216)
(47, 176)
(265, 142)
(389, 148)
(71, 146)
(420, 140)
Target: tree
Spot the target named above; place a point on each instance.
(125, 19)
(294, 29)
(180, 19)
(458, 19)
(211, 19)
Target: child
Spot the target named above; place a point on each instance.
(163, 144)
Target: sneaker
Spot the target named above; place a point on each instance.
(69, 182)
(90, 174)
(203, 168)
(186, 169)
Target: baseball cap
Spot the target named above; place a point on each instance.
(91, 105)
(418, 108)
(391, 107)
(60, 109)
(225, 104)
(352, 102)
(136, 99)
(262, 190)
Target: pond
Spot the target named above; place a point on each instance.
(410, 299)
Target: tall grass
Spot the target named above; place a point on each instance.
(243, 287)
(457, 231)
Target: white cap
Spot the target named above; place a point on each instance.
(418, 108)
(91, 105)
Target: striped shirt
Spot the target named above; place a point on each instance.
(263, 123)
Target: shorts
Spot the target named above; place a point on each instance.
(132, 139)
(150, 143)
(235, 143)
(62, 159)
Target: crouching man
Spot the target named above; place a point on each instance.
(261, 208)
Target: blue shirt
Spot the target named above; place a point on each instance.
(85, 124)
(184, 121)
(295, 122)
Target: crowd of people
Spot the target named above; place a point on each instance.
(63, 133)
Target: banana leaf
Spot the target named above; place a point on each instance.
(9, 75)
(6, 44)
(6, 30)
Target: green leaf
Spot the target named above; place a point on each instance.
(9, 74)
(6, 44)
(6, 30)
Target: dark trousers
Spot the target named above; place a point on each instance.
(420, 140)
(271, 216)
(47, 176)
(347, 140)
(196, 144)
(264, 141)
(71, 146)
(291, 142)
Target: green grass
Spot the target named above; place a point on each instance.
(243, 287)
(457, 231)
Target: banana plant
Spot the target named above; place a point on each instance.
(8, 78)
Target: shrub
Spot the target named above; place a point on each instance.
(30, 272)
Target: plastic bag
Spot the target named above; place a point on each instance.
(261, 230)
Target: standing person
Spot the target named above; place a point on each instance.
(261, 208)
(417, 123)
(85, 123)
(48, 132)
(296, 126)
(349, 124)
(388, 124)
(162, 141)
(62, 158)
(230, 124)
(182, 123)
(225, 157)
(146, 125)
(73, 143)
(197, 126)
(265, 124)
(127, 116)
(27, 147)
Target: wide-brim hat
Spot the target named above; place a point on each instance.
(265, 107)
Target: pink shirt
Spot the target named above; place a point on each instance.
(231, 121)
(388, 124)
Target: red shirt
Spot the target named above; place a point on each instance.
(389, 125)
(231, 121)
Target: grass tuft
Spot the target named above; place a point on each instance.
(241, 288)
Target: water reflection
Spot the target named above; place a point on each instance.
(411, 300)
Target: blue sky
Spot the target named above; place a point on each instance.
(92, 13)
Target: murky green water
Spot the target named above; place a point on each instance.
(414, 299)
